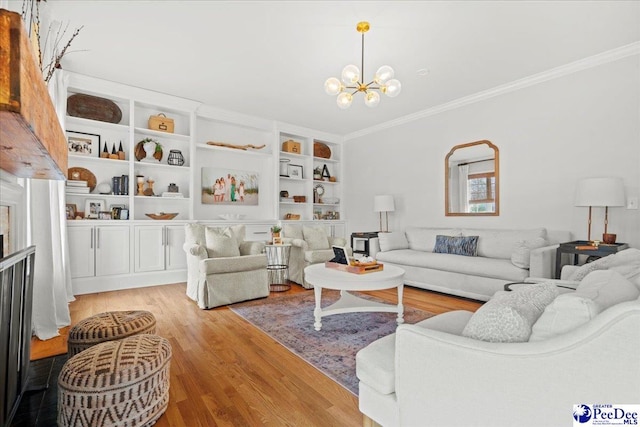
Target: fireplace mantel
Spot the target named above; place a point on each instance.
(32, 143)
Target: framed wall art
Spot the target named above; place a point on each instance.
(229, 187)
(82, 143)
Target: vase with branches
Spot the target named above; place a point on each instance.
(52, 46)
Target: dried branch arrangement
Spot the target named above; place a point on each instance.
(55, 34)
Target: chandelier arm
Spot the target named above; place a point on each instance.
(362, 61)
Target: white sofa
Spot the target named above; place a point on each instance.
(583, 348)
(503, 256)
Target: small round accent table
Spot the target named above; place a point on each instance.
(278, 267)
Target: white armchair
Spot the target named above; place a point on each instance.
(222, 268)
(309, 245)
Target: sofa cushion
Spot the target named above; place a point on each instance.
(501, 243)
(375, 364)
(509, 316)
(456, 245)
(473, 266)
(393, 241)
(316, 238)
(424, 239)
(597, 292)
(194, 234)
(293, 231)
(221, 242)
(626, 262)
(521, 255)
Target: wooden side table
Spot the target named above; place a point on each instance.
(278, 267)
(579, 247)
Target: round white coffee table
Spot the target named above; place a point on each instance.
(322, 277)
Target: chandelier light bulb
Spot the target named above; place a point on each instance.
(333, 86)
(392, 88)
(350, 74)
(344, 100)
(383, 74)
(372, 99)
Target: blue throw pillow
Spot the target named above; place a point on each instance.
(456, 245)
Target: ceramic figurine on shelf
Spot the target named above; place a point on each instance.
(104, 154)
(149, 191)
(121, 154)
(140, 182)
(114, 154)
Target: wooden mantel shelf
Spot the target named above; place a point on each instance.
(32, 143)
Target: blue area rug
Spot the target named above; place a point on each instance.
(332, 350)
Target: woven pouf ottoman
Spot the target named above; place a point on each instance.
(109, 326)
(116, 383)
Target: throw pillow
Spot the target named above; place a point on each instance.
(597, 292)
(221, 243)
(509, 316)
(626, 262)
(456, 245)
(521, 255)
(392, 241)
(316, 238)
(293, 231)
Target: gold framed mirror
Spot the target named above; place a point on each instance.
(472, 180)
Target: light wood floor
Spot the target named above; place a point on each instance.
(225, 372)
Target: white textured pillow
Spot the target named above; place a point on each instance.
(566, 312)
(316, 238)
(221, 243)
(626, 262)
(598, 291)
(509, 316)
(392, 241)
(521, 255)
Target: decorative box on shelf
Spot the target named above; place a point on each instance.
(291, 146)
(161, 123)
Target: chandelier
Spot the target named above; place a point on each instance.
(353, 81)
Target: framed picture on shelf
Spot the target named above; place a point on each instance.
(104, 215)
(295, 171)
(82, 143)
(221, 186)
(71, 211)
(93, 207)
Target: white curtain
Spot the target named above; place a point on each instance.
(463, 178)
(48, 231)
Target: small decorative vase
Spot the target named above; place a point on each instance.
(173, 188)
(609, 238)
(175, 158)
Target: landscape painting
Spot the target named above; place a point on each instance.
(229, 187)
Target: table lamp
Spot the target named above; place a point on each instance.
(384, 204)
(600, 192)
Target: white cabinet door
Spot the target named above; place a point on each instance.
(176, 259)
(112, 250)
(149, 248)
(81, 251)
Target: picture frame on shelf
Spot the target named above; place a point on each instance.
(124, 214)
(71, 209)
(93, 207)
(83, 143)
(104, 215)
(295, 171)
(116, 210)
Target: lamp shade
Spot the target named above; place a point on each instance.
(383, 204)
(600, 192)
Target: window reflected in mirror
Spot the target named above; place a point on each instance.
(472, 179)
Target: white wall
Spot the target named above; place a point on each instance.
(550, 135)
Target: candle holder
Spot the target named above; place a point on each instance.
(140, 182)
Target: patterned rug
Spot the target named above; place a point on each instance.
(332, 350)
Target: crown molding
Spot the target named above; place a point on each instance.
(554, 73)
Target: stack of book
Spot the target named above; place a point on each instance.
(77, 187)
(120, 185)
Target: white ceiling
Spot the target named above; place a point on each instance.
(271, 58)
